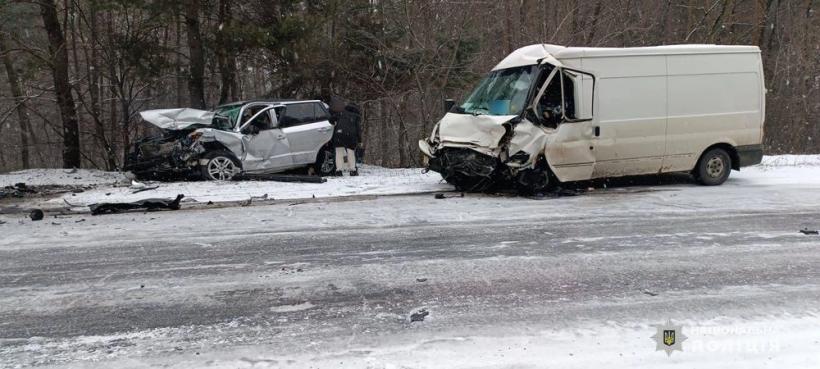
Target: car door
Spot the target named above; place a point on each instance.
(567, 149)
(266, 148)
(307, 128)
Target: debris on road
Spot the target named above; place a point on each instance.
(36, 215)
(283, 178)
(419, 315)
(807, 231)
(147, 204)
(650, 293)
(145, 189)
(18, 190)
(421, 280)
(557, 192)
(252, 199)
(440, 196)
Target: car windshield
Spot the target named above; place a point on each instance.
(225, 116)
(502, 92)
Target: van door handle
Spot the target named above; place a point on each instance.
(597, 131)
(324, 129)
(280, 137)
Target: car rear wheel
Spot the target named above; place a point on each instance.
(714, 167)
(221, 166)
(325, 162)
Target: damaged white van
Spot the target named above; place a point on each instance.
(550, 113)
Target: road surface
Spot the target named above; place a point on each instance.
(507, 282)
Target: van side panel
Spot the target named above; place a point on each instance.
(712, 98)
(631, 114)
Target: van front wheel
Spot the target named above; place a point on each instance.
(714, 167)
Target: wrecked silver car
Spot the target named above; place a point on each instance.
(254, 137)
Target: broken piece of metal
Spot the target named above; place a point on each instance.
(147, 204)
(282, 178)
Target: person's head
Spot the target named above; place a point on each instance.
(337, 105)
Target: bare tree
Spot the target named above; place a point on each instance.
(196, 69)
(62, 87)
(19, 101)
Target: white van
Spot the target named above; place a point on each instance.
(548, 113)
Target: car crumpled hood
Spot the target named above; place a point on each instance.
(176, 119)
(484, 131)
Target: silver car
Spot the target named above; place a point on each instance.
(251, 137)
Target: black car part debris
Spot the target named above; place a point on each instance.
(445, 196)
(282, 178)
(809, 231)
(36, 215)
(147, 204)
(18, 190)
(419, 315)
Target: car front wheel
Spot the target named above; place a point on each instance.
(220, 166)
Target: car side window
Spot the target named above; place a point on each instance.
(260, 123)
(297, 114)
(320, 113)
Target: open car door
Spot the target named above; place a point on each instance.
(266, 146)
(570, 96)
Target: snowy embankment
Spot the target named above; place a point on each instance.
(114, 187)
(772, 342)
(100, 186)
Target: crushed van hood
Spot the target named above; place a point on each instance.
(176, 119)
(483, 131)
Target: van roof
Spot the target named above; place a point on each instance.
(529, 55)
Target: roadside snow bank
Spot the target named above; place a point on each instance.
(372, 180)
(62, 177)
(780, 170)
(790, 161)
(776, 342)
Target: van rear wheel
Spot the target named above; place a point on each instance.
(714, 167)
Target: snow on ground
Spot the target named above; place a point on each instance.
(62, 177)
(780, 170)
(762, 334)
(773, 342)
(371, 181)
(783, 342)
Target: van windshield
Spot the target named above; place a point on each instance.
(502, 92)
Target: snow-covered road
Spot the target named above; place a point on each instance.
(509, 282)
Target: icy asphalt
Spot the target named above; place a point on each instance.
(334, 284)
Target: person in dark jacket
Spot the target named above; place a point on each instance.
(346, 136)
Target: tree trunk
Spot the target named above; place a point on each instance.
(225, 54)
(95, 91)
(19, 101)
(196, 69)
(62, 87)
